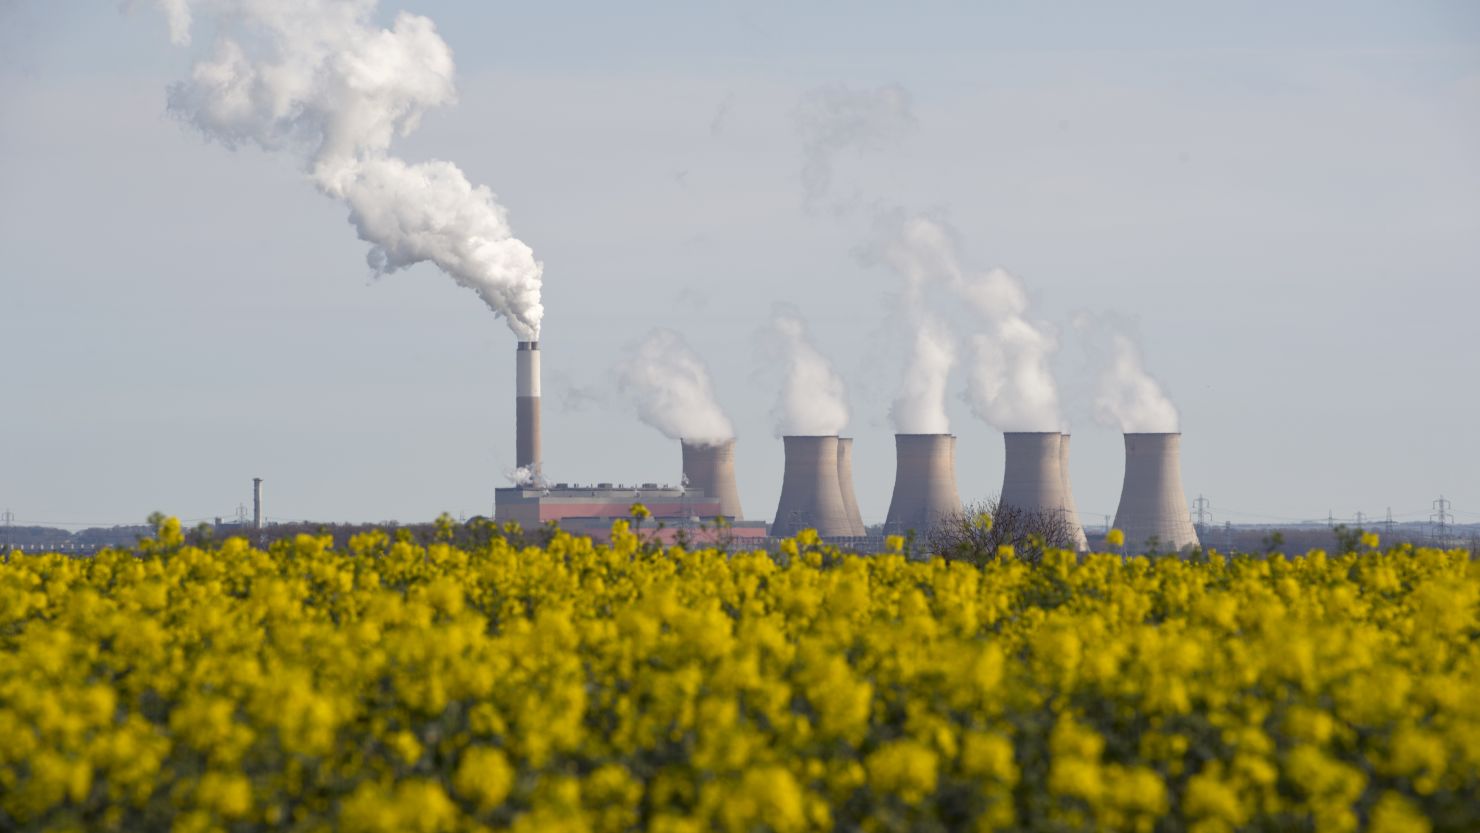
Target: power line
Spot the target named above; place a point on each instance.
(1441, 519)
(1203, 508)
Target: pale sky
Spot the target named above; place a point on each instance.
(1283, 205)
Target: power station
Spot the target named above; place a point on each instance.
(924, 483)
(710, 468)
(845, 487)
(689, 509)
(527, 411)
(1153, 510)
(1071, 511)
(1036, 477)
(811, 490)
(817, 486)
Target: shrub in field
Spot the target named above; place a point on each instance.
(981, 531)
(394, 685)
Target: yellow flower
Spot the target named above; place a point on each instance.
(1115, 538)
(989, 757)
(768, 796)
(904, 768)
(1396, 814)
(229, 795)
(580, 686)
(483, 777)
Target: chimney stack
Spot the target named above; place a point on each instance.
(924, 483)
(1036, 477)
(1032, 477)
(527, 409)
(810, 495)
(257, 503)
(1071, 510)
(712, 469)
(845, 487)
(1152, 504)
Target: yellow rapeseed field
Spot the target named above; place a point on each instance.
(575, 687)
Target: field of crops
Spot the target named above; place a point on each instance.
(405, 687)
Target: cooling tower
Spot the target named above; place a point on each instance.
(924, 483)
(527, 408)
(712, 469)
(845, 486)
(810, 495)
(1071, 511)
(1152, 504)
(1033, 475)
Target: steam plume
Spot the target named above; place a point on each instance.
(670, 387)
(1128, 397)
(813, 400)
(920, 407)
(836, 118)
(1009, 383)
(320, 80)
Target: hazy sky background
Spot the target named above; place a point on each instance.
(1282, 204)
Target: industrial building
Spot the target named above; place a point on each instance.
(690, 509)
(924, 483)
(1153, 509)
(591, 509)
(811, 490)
(1035, 477)
(817, 486)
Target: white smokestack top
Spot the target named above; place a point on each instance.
(670, 387)
(814, 400)
(321, 81)
(1153, 507)
(1129, 398)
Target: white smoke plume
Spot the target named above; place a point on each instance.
(814, 400)
(320, 80)
(920, 407)
(1010, 382)
(836, 118)
(1128, 397)
(670, 387)
(522, 476)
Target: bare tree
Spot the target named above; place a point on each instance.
(982, 529)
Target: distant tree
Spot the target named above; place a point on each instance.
(981, 530)
(203, 536)
(1348, 539)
